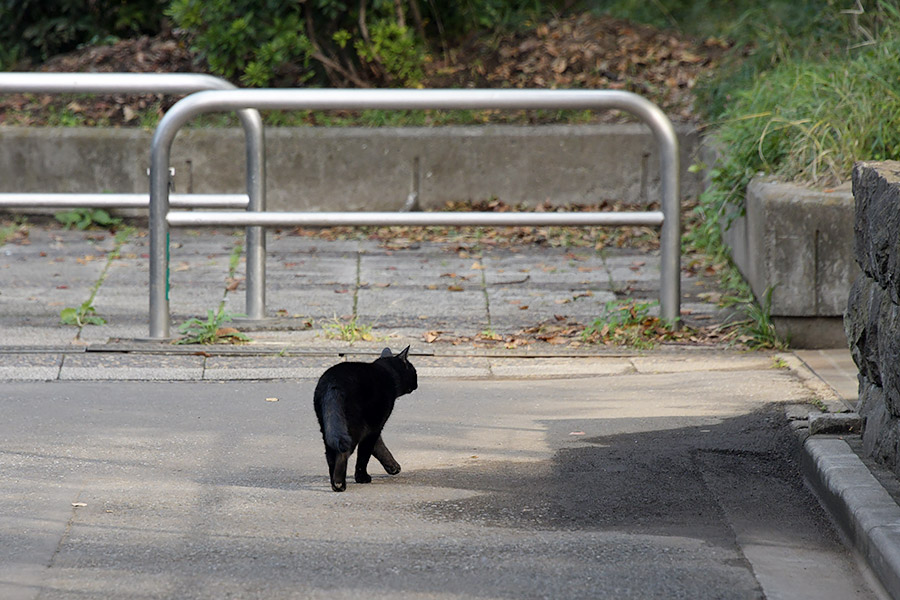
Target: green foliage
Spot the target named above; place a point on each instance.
(810, 121)
(757, 331)
(35, 30)
(764, 35)
(628, 323)
(86, 314)
(212, 330)
(396, 49)
(84, 218)
(349, 331)
(806, 121)
(258, 43)
(812, 98)
(16, 228)
(460, 18)
(377, 43)
(63, 117)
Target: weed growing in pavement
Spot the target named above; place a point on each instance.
(757, 331)
(86, 314)
(84, 218)
(13, 230)
(348, 331)
(489, 334)
(212, 330)
(628, 323)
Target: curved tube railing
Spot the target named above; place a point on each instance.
(159, 83)
(668, 218)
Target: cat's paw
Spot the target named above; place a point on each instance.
(392, 469)
(363, 477)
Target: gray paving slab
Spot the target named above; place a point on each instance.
(35, 332)
(443, 366)
(300, 270)
(117, 327)
(232, 368)
(100, 367)
(381, 269)
(30, 367)
(514, 308)
(835, 366)
(392, 307)
(559, 367)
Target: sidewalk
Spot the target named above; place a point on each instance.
(430, 296)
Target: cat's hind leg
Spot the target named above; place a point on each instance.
(384, 456)
(337, 468)
(363, 453)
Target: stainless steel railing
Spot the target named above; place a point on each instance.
(155, 83)
(161, 218)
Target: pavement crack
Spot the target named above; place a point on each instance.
(86, 313)
(76, 504)
(487, 300)
(358, 275)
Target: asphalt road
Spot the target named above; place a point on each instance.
(638, 486)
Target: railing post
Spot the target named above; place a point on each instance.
(255, 236)
(159, 243)
(670, 232)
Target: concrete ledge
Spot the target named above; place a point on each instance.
(359, 168)
(861, 507)
(798, 242)
(812, 333)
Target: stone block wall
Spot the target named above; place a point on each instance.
(872, 320)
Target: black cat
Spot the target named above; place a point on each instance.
(353, 401)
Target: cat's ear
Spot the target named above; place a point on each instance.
(403, 354)
(386, 353)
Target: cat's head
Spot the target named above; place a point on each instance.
(409, 379)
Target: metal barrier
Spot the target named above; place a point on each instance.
(155, 83)
(60, 200)
(668, 218)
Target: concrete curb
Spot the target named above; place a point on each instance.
(859, 505)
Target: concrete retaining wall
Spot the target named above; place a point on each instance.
(873, 312)
(358, 168)
(798, 242)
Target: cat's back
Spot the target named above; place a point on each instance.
(349, 376)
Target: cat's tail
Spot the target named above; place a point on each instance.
(334, 425)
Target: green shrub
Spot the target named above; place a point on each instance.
(763, 35)
(816, 98)
(379, 43)
(806, 122)
(396, 50)
(258, 43)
